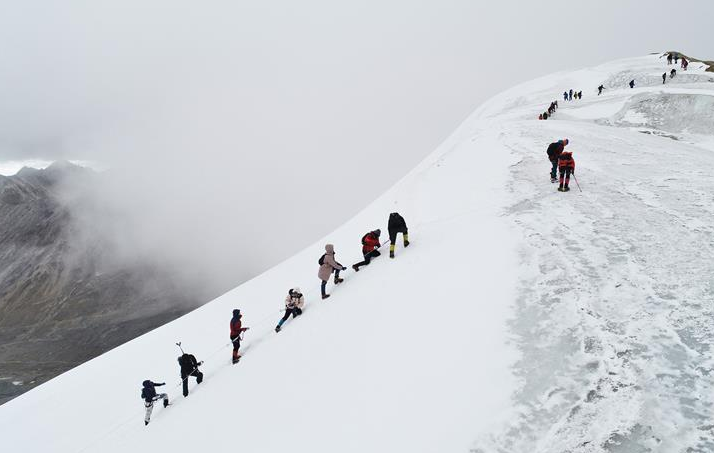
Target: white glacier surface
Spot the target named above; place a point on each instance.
(520, 319)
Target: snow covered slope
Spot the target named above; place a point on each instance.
(614, 314)
(520, 319)
(407, 354)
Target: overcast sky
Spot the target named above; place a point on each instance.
(277, 120)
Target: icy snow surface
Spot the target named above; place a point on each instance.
(520, 319)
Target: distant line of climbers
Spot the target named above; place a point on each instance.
(569, 95)
(294, 303)
(675, 57)
(672, 72)
(562, 160)
(548, 113)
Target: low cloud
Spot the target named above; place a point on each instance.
(237, 133)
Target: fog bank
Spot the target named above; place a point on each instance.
(239, 132)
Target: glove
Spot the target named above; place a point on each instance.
(344, 268)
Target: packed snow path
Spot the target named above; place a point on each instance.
(614, 317)
(520, 320)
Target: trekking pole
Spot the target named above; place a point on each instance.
(576, 182)
(179, 345)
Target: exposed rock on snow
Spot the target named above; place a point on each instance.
(56, 310)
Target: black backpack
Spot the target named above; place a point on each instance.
(552, 149)
(321, 261)
(148, 392)
(187, 362)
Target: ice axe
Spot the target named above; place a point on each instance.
(576, 182)
(179, 345)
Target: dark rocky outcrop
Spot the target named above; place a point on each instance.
(62, 300)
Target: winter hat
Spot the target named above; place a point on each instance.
(565, 141)
(236, 312)
(377, 232)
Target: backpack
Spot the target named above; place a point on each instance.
(364, 238)
(187, 362)
(566, 160)
(552, 149)
(148, 392)
(321, 261)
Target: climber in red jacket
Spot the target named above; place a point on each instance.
(236, 330)
(566, 165)
(370, 244)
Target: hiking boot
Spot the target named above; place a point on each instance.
(338, 280)
(325, 296)
(566, 189)
(406, 243)
(391, 254)
(145, 423)
(277, 329)
(560, 189)
(166, 402)
(355, 267)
